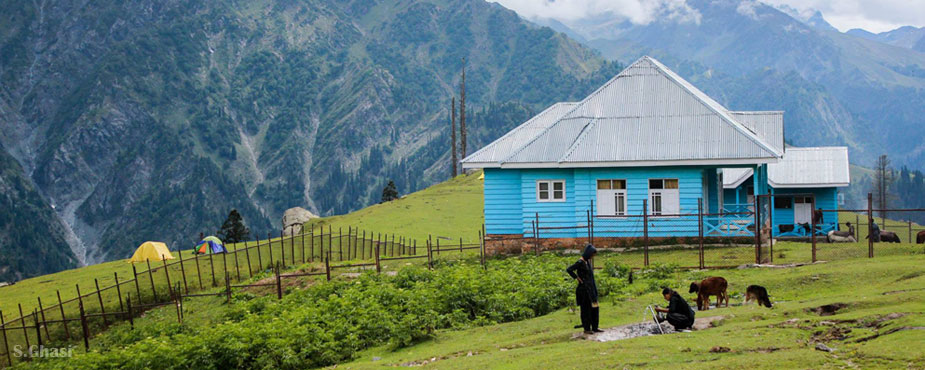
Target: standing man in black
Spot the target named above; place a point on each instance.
(586, 292)
(679, 313)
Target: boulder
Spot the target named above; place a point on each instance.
(293, 219)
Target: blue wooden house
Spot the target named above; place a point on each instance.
(647, 142)
(803, 176)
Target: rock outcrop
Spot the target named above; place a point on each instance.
(294, 218)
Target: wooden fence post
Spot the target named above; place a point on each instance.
(481, 249)
(311, 244)
(363, 247)
(22, 323)
(870, 226)
(44, 322)
(378, 263)
(119, 291)
(83, 324)
(151, 277)
(857, 226)
(131, 315)
(225, 260)
(6, 343)
(237, 268)
(330, 241)
(279, 283)
(38, 329)
(167, 274)
(212, 268)
(282, 249)
(270, 244)
(137, 287)
(438, 246)
(430, 255)
(356, 234)
(67, 331)
(183, 272)
(227, 289)
(536, 235)
(259, 257)
(177, 304)
(247, 255)
(645, 231)
(198, 272)
(910, 231)
(757, 229)
(813, 227)
(700, 228)
(303, 245)
(327, 265)
(99, 296)
(292, 246)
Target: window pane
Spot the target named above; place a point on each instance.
(620, 204)
(544, 186)
(544, 195)
(655, 184)
(619, 184)
(782, 203)
(671, 184)
(656, 203)
(558, 194)
(558, 185)
(603, 184)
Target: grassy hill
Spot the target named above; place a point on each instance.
(451, 209)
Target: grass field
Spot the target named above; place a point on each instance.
(782, 337)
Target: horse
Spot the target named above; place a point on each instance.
(889, 237)
(708, 287)
(842, 236)
(920, 237)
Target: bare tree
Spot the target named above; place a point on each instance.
(883, 179)
(462, 112)
(453, 134)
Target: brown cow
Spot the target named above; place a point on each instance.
(710, 286)
(889, 237)
(920, 237)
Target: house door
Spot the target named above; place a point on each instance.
(802, 210)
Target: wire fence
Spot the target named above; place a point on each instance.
(757, 234)
(162, 283)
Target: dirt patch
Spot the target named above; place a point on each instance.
(912, 275)
(269, 283)
(719, 349)
(646, 328)
(827, 309)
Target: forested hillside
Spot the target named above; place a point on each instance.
(150, 121)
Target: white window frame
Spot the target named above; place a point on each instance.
(661, 194)
(612, 193)
(550, 190)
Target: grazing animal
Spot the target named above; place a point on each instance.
(842, 236)
(785, 228)
(708, 287)
(889, 237)
(920, 237)
(757, 293)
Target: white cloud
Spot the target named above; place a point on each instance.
(873, 15)
(637, 11)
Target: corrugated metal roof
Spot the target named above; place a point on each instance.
(502, 148)
(647, 115)
(801, 168)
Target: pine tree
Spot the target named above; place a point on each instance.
(453, 134)
(389, 193)
(233, 229)
(462, 112)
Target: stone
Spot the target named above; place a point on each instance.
(293, 219)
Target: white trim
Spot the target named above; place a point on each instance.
(655, 163)
(748, 173)
(816, 185)
(551, 191)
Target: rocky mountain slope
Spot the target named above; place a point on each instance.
(150, 121)
(836, 88)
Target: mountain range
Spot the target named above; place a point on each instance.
(127, 121)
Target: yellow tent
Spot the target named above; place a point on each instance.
(151, 251)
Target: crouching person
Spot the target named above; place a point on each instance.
(679, 314)
(586, 292)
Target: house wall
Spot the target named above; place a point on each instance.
(503, 212)
(511, 201)
(826, 198)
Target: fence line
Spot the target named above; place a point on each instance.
(112, 306)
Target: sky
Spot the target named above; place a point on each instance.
(872, 15)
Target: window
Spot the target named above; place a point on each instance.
(550, 191)
(783, 202)
(611, 197)
(664, 197)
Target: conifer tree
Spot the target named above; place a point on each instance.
(233, 229)
(453, 135)
(462, 112)
(389, 193)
